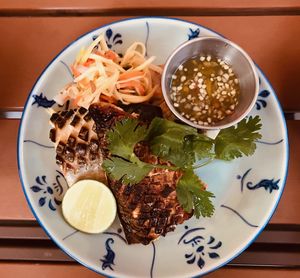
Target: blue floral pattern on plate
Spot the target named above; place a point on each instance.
(261, 100)
(201, 247)
(50, 193)
(42, 101)
(193, 33)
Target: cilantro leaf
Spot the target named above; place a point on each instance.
(191, 194)
(160, 126)
(201, 145)
(233, 142)
(123, 137)
(128, 172)
(167, 141)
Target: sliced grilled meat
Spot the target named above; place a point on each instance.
(150, 208)
(79, 150)
(146, 210)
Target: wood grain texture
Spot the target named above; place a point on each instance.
(129, 4)
(30, 43)
(12, 270)
(14, 206)
(12, 200)
(289, 205)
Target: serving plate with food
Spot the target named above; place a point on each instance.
(152, 147)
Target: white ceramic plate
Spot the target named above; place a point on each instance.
(247, 190)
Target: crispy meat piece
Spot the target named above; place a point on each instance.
(146, 210)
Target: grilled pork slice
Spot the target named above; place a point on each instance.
(146, 210)
(150, 208)
(79, 151)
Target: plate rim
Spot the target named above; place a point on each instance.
(255, 235)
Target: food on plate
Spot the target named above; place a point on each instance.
(77, 145)
(122, 135)
(102, 74)
(149, 207)
(205, 90)
(89, 206)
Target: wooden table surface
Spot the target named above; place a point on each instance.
(32, 33)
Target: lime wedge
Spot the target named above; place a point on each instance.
(89, 206)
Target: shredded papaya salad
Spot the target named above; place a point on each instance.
(100, 74)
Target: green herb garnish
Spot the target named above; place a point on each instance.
(233, 142)
(191, 194)
(182, 146)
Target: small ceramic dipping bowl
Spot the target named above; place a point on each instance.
(232, 55)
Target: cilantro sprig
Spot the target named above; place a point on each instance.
(181, 145)
(191, 195)
(235, 141)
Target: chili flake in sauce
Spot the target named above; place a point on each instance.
(205, 90)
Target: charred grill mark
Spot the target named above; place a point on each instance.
(75, 120)
(84, 134)
(87, 117)
(59, 160)
(60, 122)
(52, 134)
(147, 210)
(166, 191)
(82, 110)
(54, 117)
(105, 117)
(60, 148)
(69, 114)
(71, 142)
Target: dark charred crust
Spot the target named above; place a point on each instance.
(71, 141)
(82, 110)
(146, 112)
(75, 120)
(69, 114)
(54, 117)
(166, 191)
(84, 134)
(52, 135)
(105, 116)
(60, 148)
(146, 210)
(87, 117)
(60, 122)
(59, 160)
(63, 113)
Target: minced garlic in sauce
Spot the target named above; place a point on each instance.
(205, 90)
